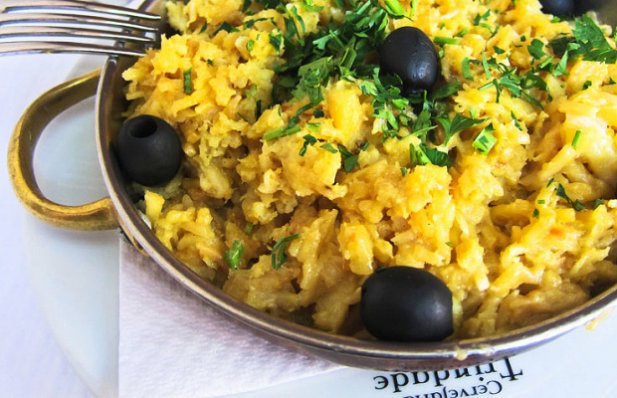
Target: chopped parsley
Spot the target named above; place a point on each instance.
(276, 40)
(308, 140)
(498, 50)
(345, 51)
(251, 22)
(337, 51)
(517, 124)
(479, 19)
(250, 45)
(445, 91)
(188, 81)
(587, 41)
(456, 124)
(598, 202)
(508, 78)
(591, 42)
(227, 27)
(314, 127)
(576, 204)
(466, 69)
(442, 41)
(394, 8)
(329, 147)
(313, 77)
(350, 161)
(485, 141)
(279, 255)
(576, 139)
(422, 154)
(249, 228)
(308, 5)
(282, 132)
(233, 256)
(536, 49)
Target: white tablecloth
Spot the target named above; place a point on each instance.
(31, 362)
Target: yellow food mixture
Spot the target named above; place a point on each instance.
(519, 232)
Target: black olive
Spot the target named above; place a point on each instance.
(558, 8)
(149, 150)
(604, 8)
(402, 303)
(409, 53)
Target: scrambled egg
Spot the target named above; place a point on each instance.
(294, 224)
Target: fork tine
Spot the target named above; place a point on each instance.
(36, 18)
(51, 5)
(63, 32)
(11, 48)
(70, 26)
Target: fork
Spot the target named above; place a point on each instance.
(75, 26)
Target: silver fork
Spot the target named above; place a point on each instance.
(75, 26)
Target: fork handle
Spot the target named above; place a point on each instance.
(98, 215)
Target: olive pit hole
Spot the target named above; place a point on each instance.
(144, 127)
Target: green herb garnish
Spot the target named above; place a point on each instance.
(338, 51)
(279, 255)
(422, 154)
(345, 51)
(485, 141)
(587, 41)
(442, 41)
(466, 69)
(394, 8)
(250, 45)
(576, 204)
(188, 81)
(597, 202)
(456, 124)
(329, 147)
(509, 79)
(576, 139)
(517, 124)
(249, 228)
(536, 49)
(591, 42)
(233, 256)
(282, 132)
(227, 27)
(276, 40)
(308, 140)
(350, 161)
(310, 6)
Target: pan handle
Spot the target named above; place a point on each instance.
(98, 215)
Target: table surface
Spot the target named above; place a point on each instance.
(29, 349)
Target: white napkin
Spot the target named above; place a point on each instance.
(174, 345)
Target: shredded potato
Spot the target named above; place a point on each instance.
(519, 232)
